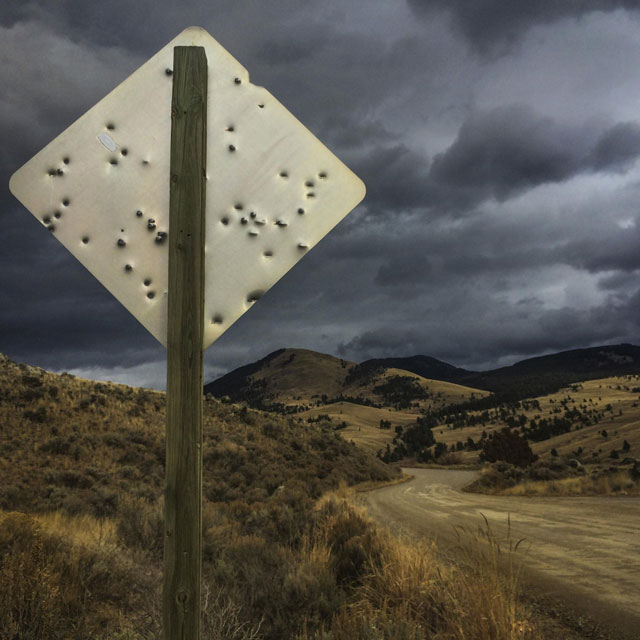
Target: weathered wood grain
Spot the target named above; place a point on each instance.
(183, 483)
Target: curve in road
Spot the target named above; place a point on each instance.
(583, 551)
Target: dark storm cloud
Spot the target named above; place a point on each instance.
(275, 51)
(612, 249)
(493, 26)
(477, 334)
(397, 178)
(619, 280)
(510, 149)
(406, 268)
(617, 147)
(53, 309)
(496, 154)
(139, 26)
(488, 231)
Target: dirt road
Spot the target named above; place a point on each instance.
(583, 551)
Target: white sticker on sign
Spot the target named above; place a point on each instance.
(107, 141)
(274, 190)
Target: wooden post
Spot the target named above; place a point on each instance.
(183, 473)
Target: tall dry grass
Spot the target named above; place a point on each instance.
(616, 483)
(403, 590)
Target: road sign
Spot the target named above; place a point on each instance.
(273, 189)
(187, 192)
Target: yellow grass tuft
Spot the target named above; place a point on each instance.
(617, 483)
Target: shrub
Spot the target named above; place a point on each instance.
(140, 525)
(508, 446)
(31, 606)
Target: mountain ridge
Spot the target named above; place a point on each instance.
(525, 378)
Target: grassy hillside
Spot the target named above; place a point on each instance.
(585, 410)
(81, 474)
(530, 377)
(373, 427)
(78, 445)
(81, 478)
(293, 380)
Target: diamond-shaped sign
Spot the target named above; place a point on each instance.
(102, 188)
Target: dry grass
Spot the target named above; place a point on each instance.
(405, 591)
(617, 483)
(300, 378)
(613, 397)
(65, 577)
(85, 459)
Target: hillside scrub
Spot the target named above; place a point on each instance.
(555, 477)
(81, 478)
(70, 577)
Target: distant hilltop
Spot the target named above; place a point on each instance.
(298, 375)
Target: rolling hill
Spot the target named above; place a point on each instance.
(372, 401)
(298, 373)
(530, 377)
(296, 379)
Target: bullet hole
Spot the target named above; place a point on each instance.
(254, 296)
(66, 202)
(301, 245)
(168, 72)
(46, 219)
(111, 126)
(261, 106)
(60, 172)
(151, 224)
(238, 207)
(225, 221)
(160, 238)
(230, 128)
(232, 148)
(57, 214)
(309, 183)
(252, 215)
(65, 160)
(52, 227)
(284, 174)
(121, 230)
(301, 211)
(151, 295)
(145, 162)
(322, 175)
(52, 172)
(281, 223)
(147, 282)
(243, 221)
(85, 240)
(113, 161)
(121, 242)
(237, 80)
(128, 267)
(311, 194)
(217, 319)
(124, 152)
(268, 254)
(253, 233)
(261, 221)
(139, 213)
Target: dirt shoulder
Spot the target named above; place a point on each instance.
(582, 562)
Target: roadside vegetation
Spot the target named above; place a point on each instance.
(287, 554)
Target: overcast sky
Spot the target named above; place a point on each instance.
(499, 141)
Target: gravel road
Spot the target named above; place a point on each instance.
(583, 551)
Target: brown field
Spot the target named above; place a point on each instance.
(621, 421)
(363, 422)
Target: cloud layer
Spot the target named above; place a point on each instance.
(499, 143)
